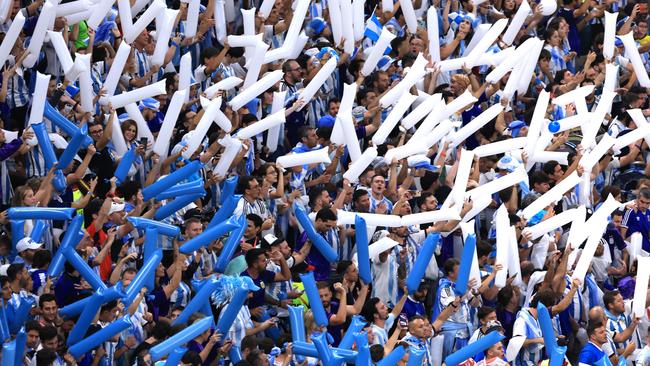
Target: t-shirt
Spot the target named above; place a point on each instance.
(591, 354)
(99, 237)
(637, 221)
(265, 277)
(412, 308)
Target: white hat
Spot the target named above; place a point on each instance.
(115, 207)
(27, 243)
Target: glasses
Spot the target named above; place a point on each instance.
(96, 132)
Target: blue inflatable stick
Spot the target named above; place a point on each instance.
(175, 358)
(21, 314)
(45, 144)
(163, 228)
(316, 239)
(37, 232)
(71, 150)
(21, 342)
(71, 238)
(357, 324)
(183, 189)
(150, 248)
(41, 213)
(142, 276)
(363, 255)
(230, 312)
(208, 236)
(17, 233)
(392, 358)
(225, 211)
(122, 170)
(309, 350)
(315, 303)
(75, 308)
(175, 205)
(421, 262)
(9, 353)
(415, 357)
(363, 351)
(59, 181)
(235, 354)
(553, 352)
(165, 183)
(229, 186)
(84, 269)
(170, 344)
(296, 320)
(63, 123)
(465, 265)
(324, 352)
(231, 245)
(4, 326)
(473, 348)
(196, 304)
(86, 318)
(101, 336)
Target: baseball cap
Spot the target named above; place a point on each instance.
(515, 126)
(115, 207)
(27, 243)
(270, 240)
(315, 27)
(508, 163)
(326, 121)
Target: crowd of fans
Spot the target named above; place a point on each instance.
(592, 317)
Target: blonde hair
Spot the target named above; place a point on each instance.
(462, 80)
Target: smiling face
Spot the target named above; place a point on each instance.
(130, 130)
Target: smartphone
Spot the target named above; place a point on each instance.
(144, 141)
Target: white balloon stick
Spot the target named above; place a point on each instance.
(345, 109)
(421, 110)
(393, 118)
(232, 148)
(86, 86)
(255, 64)
(39, 98)
(413, 147)
(595, 231)
(442, 130)
(502, 69)
(601, 215)
(590, 130)
(192, 23)
(499, 184)
(610, 34)
(198, 134)
(347, 218)
(635, 248)
(457, 193)
(11, 36)
(98, 14)
(248, 20)
(429, 217)
(78, 17)
(225, 84)
(571, 122)
(136, 95)
(143, 129)
(452, 64)
(573, 95)
(433, 33)
(256, 89)
(154, 10)
(350, 135)
(61, 49)
(409, 15)
(77, 68)
(185, 74)
(528, 69)
(336, 23)
(639, 120)
(584, 197)
(117, 137)
(222, 121)
(516, 24)
(274, 132)
(161, 147)
(430, 121)
(476, 124)
(386, 5)
(220, 20)
(266, 7)
(551, 224)
(126, 18)
(377, 51)
(641, 287)
(297, 20)
(310, 157)
(256, 128)
(633, 53)
(611, 75)
(502, 221)
(299, 45)
(589, 160)
(140, 4)
(630, 138)
(485, 42)
(319, 79)
(460, 103)
(416, 72)
(347, 25)
(358, 21)
(479, 33)
(494, 59)
(5, 10)
(359, 166)
(545, 156)
(537, 122)
(500, 147)
(242, 40)
(163, 33)
(36, 41)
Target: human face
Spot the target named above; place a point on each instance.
(285, 249)
(618, 305)
(430, 204)
(325, 225)
(271, 175)
(311, 139)
(417, 45)
(509, 5)
(29, 199)
(334, 108)
(6, 291)
(490, 317)
(96, 132)
(260, 264)
(382, 310)
(382, 82)
(32, 338)
(617, 220)
(253, 189)
(127, 278)
(51, 344)
(542, 187)
(600, 335)
(557, 173)
(294, 73)
(250, 229)
(118, 217)
(378, 185)
(371, 98)
(325, 198)
(193, 230)
(642, 203)
(130, 133)
(363, 203)
(352, 273)
(325, 296)
(49, 310)
(417, 328)
(175, 314)
(555, 39)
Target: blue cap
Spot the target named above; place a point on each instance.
(72, 90)
(384, 63)
(149, 103)
(515, 126)
(327, 50)
(252, 106)
(315, 27)
(326, 121)
(618, 42)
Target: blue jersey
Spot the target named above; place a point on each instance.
(637, 221)
(591, 354)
